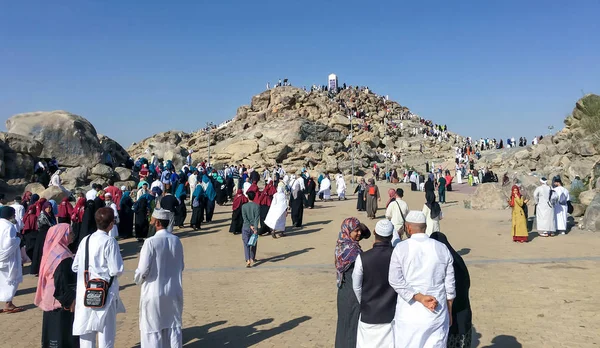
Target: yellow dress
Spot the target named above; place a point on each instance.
(519, 223)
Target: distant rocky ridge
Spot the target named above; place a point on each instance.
(295, 128)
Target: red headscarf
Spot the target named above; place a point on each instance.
(239, 199)
(512, 196)
(65, 209)
(267, 194)
(79, 209)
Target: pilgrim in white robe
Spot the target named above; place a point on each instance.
(193, 181)
(544, 212)
(340, 186)
(19, 214)
(11, 270)
(561, 210)
(161, 299)
(105, 261)
(114, 232)
(421, 265)
(458, 175)
(246, 187)
(55, 181)
(277, 212)
(325, 188)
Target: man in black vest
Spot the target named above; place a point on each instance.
(376, 297)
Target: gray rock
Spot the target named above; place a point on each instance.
(21, 144)
(118, 154)
(75, 177)
(586, 197)
(18, 165)
(35, 187)
(129, 184)
(102, 170)
(578, 210)
(123, 174)
(591, 219)
(489, 196)
(54, 193)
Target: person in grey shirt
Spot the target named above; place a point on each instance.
(251, 217)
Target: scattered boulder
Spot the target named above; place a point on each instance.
(74, 177)
(591, 219)
(35, 187)
(20, 144)
(103, 171)
(123, 174)
(587, 197)
(488, 196)
(53, 192)
(578, 210)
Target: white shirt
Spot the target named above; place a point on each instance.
(19, 213)
(91, 194)
(421, 265)
(159, 273)
(393, 213)
(357, 278)
(105, 261)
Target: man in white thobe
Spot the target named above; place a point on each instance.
(159, 274)
(396, 212)
(376, 297)
(11, 270)
(561, 208)
(544, 199)
(105, 262)
(422, 274)
(325, 188)
(19, 213)
(340, 186)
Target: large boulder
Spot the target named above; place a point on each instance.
(118, 154)
(18, 165)
(54, 193)
(20, 144)
(591, 219)
(70, 138)
(74, 177)
(586, 197)
(123, 174)
(35, 187)
(489, 196)
(103, 171)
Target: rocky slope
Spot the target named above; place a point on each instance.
(573, 151)
(295, 128)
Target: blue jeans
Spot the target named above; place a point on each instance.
(249, 251)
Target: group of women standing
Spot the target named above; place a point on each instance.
(346, 252)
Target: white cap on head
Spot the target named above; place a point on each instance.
(416, 217)
(123, 188)
(384, 228)
(161, 214)
(107, 194)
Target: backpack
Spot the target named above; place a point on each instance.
(372, 190)
(195, 202)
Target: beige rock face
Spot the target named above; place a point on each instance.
(489, 196)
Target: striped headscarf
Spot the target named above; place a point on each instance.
(346, 249)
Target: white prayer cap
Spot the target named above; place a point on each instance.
(384, 228)
(416, 217)
(123, 188)
(161, 214)
(107, 194)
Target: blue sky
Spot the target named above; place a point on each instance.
(136, 68)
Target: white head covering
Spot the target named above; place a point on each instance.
(543, 180)
(123, 188)
(416, 217)
(161, 214)
(384, 228)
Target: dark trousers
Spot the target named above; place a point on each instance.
(442, 194)
(249, 251)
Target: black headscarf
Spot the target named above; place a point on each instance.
(432, 204)
(461, 307)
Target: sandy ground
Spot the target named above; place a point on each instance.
(539, 294)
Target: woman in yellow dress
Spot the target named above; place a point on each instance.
(519, 222)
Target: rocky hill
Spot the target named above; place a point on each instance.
(295, 128)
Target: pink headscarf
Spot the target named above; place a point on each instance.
(56, 249)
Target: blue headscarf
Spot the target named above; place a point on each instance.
(125, 196)
(148, 197)
(210, 190)
(180, 190)
(54, 207)
(198, 191)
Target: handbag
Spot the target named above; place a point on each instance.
(569, 207)
(253, 239)
(96, 290)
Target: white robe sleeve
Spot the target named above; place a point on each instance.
(396, 277)
(113, 256)
(357, 278)
(144, 264)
